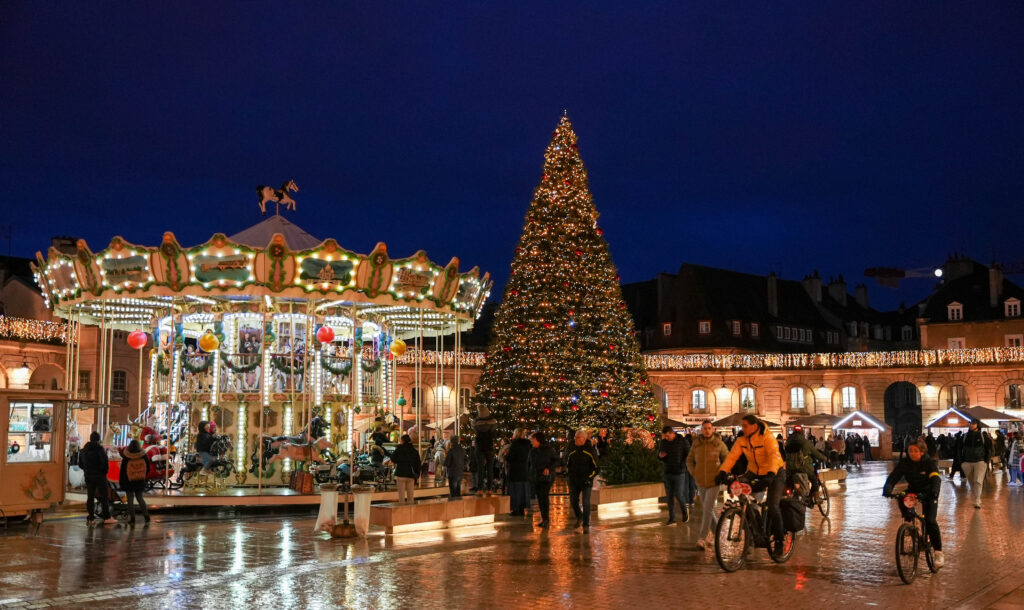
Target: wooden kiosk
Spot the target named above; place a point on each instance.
(34, 467)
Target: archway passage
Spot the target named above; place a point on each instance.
(903, 409)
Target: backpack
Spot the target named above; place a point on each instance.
(136, 470)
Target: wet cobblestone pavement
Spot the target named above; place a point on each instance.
(254, 561)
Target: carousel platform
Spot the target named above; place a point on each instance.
(250, 496)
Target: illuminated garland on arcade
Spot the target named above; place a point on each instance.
(342, 370)
(279, 363)
(40, 331)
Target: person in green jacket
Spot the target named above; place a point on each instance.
(800, 454)
(704, 460)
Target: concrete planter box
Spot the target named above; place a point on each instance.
(629, 500)
(832, 477)
(438, 514)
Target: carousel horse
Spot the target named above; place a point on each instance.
(312, 433)
(279, 196)
(301, 453)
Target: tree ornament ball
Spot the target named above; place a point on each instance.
(138, 339)
(208, 342)
(325, 334)
(547, 410)
(575, 407)
(650, 418)
(604, 394)
(398, 348)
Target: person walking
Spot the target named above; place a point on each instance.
(484, 425)
(974, 456)
(1013, 460)
(517, 472)
(134, 470)
(672, 452)
(407, 469)
(92, 459)
(543, 461)
(454, 467)
(704, 460)
(581, 468)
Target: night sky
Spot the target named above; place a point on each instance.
(755, 137)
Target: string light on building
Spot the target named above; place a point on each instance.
(37, 331)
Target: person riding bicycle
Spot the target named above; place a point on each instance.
(764, 463)
(800, 456)
(923, 479)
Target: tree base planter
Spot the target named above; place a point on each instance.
(438, 514)
(629, 500)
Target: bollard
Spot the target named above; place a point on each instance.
(361, 511)
(328, 508)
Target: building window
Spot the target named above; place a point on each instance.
(755, 329)
(955, 312)
(699, 402)
(736, 328)
(849, 398)
(1014, 340)
(464, 395)
(704, 326)
(414, 397)
(1014, 396)
(907, 333)
(796, 399)
(119, 387)
(1012, 308)
(957, 396)
(83, 381)
(787, 333)
(747, 399)
(666, 329)
(957, 343)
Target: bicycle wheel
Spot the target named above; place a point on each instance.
(823, 501)
(787, 548)
(906, 553)
(731, 540)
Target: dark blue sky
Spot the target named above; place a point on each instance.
(829, 135)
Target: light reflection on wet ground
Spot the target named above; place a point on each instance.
(276, 561)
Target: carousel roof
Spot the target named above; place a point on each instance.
(269, 268)
(261, 233)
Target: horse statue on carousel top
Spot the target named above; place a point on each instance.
(279, 196)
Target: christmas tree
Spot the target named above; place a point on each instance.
(564, 353)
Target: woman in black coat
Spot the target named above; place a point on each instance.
(135, 466)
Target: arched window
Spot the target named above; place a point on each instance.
(464, 396)
(849, 394)
(797, 399)
(747, 399)
(1014, 396)
(957, 396)
(699, 401)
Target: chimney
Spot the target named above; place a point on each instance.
(860, 293)
(773, 295)
(812, 285)
(995, 284)
(956, 266)
(837, 290)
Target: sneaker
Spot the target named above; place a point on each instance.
(671, 521)
(586, 529)
(686, 517)
(938, 558)
(977, 504)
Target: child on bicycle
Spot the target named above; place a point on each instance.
(923, 479)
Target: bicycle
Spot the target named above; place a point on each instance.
(744, 523)
(912, 538)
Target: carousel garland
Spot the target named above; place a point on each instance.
(342, 369)
(278, 362)
(161, 368)
(241, 368)
(196, 368)
(371, 367)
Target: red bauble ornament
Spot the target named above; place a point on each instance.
(600, 231)
(520, 325)
(572, 313)
(547, 410)
(575, 408)
(138, 339)
(548, 325)
(622, 305)
(579, 253)
(611, 346)
(604, 394)
(506, 349)
(650, 418)
(618, 278)
(325, 334)
(513, 292)
(494, 394)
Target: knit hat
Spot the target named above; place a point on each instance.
(483, 412)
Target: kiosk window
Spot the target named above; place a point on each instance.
(30, 432)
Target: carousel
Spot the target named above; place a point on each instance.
(284, 348)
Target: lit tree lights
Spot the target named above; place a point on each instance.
(564, 354)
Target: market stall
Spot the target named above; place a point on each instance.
(32, 429)
(879, 434)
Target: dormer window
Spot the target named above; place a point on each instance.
(907, 333)
(704, 327)
(1012, 308)
(736, 328)
(666, 329)
(955, 312)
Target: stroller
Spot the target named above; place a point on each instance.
(118, 507)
